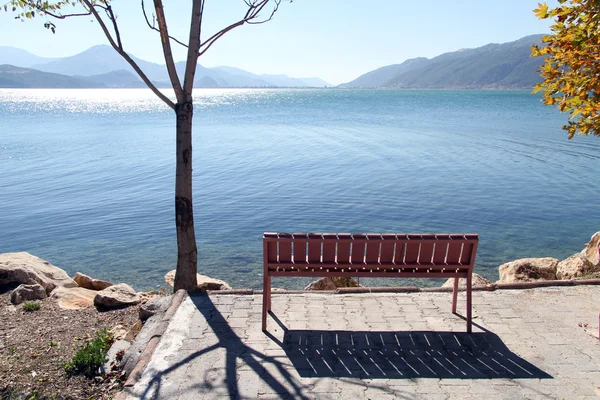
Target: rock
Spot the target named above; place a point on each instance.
(119, 332)
(328, 283)
(73, 298)
(591, 253)
(114, 356)
(133, 331)
(528, 270)
(575, 266)
(85, 281)
(151, 328)
(27, 292)
(158, 304)
(24, 268)
(325, 283)
(476, 280)
(116, 296)
(203, 282)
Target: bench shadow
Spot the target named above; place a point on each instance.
(405, 355)
(344, 354)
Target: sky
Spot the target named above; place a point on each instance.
(335, 40)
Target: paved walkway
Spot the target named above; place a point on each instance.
(528, 344)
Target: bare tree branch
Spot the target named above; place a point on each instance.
(151, 26)
(166, 45)
(254, 9)
(275, 8)
(126, 56)
(111, 16)
(194, 47)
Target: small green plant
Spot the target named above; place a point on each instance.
(31, 306)
(90, 357)
(34, 395)
(53, 343)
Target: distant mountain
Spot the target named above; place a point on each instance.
(100, 60)
(275, 80)
(116, 79)
(20, 57)
(17, 77)
(316, 82)
(229, 77)
(381, 76)
(100, 63)
(500, 66)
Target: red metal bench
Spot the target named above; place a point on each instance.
(369, 256)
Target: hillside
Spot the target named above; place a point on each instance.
(102, 65)
(116, 79)
(498, 66)
(17, 77)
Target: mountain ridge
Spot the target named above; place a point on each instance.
(101, 63)
(492, 66)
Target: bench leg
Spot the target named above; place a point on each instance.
(266, 306)
(269, 295)
(454, 295)
(469, 304)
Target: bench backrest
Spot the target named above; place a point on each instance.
(327, 253)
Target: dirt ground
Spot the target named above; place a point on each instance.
(35, 345)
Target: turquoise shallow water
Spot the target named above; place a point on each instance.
(87, 176)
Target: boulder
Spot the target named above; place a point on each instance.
(116, 296)
(476, 280)
(575, 266)
(73, 298)
(329, 283)
(85, 281)
(203, 282)
(591, 253)
(156, 305)
(528, 270)
(27, 292)
(24, 268)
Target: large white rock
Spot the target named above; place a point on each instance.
(528, 270)
(203, 282)
(575, 266)
(73, 298)
(476, 280)
(116, 296)
(87, 282)
(27, 292)
(591, 253)
(24, 268)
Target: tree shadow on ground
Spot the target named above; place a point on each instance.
(235, 349)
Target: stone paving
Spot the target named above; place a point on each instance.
(527, 344)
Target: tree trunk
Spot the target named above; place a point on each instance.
(187, 253)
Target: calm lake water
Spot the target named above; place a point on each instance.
(87, 176)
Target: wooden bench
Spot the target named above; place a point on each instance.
(369, 256)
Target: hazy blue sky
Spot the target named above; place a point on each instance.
(336, 40)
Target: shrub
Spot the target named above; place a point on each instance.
(90, 357)
(31, 305)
